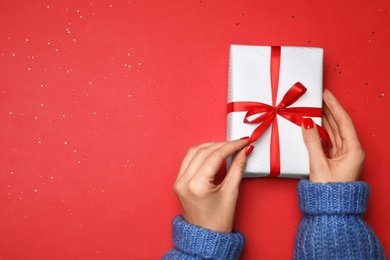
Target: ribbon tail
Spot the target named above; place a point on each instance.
(274, 148)
(258, 132)
(324, 135)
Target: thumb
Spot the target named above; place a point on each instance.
(314, 145)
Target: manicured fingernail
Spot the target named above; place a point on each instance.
(308, 123)
(249, 149)
(244, 138)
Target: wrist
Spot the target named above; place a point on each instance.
(199, 241)
(333, 198)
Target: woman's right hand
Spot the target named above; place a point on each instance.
(346, 157)
(203, 202)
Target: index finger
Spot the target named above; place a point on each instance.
(216, 157)
(190, 156)
(341, 117)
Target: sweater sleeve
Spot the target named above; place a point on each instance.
(193, 242)
(332, 226)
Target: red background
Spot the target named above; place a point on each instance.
(99, 101)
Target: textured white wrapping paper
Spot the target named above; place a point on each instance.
(249, 80)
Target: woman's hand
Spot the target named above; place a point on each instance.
(346, 157)
(203, 203)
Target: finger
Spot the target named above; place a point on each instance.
(236, 170)
(189, 156)
(338, 142)
(333, 149)
(313, 143)
(197, 156)
(216, 157)
(341, 117)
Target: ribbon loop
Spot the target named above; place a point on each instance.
(258, 132)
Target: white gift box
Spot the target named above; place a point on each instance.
(250, 80)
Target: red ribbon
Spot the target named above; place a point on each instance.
(268, 116)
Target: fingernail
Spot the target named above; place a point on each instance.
(249, 149)
(308, 123)
(244, 138)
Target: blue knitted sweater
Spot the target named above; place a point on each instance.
(331, 228)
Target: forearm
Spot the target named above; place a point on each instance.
(332, 226)
(193, 242)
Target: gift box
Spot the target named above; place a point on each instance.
(270, 91)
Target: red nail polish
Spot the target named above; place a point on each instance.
(249, 150)
(308, 123)
(244, 138)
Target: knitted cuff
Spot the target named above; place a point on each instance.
(204, 243)
(333, 198)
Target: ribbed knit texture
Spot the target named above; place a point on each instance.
(193, 242)
(332, 226)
